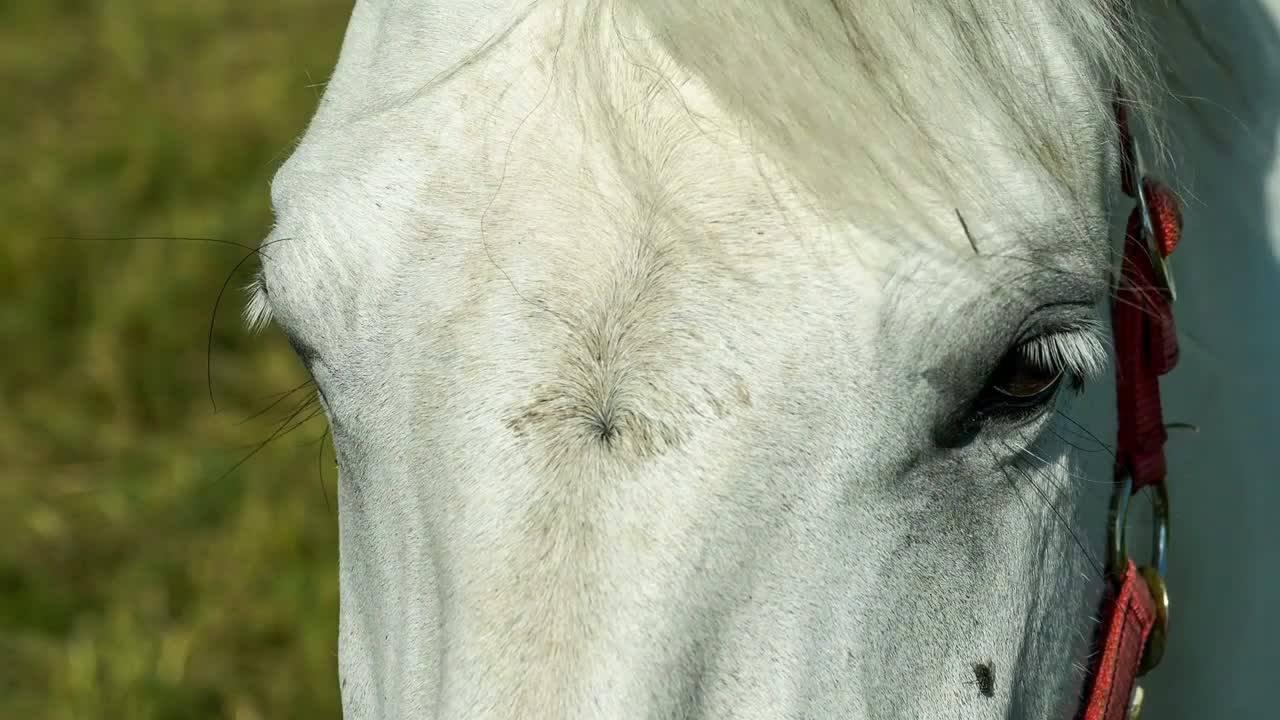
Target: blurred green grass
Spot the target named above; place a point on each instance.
(134, 582)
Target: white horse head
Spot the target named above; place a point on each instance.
(708, 359)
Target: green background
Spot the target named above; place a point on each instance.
(135, 580)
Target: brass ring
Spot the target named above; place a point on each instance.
(1156, 641)
(1152, 573)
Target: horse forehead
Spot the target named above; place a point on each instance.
(392, 49)
(493, 162)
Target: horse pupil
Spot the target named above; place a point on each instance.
(1020, 378)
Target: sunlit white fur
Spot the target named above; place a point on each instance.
(647, 333)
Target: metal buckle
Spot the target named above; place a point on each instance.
(1152, 573)
(1159, 263)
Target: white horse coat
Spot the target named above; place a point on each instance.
(657, 357)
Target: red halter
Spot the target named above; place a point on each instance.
(1135, 609)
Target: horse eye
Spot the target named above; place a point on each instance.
(1022, 382)
(1018, 390)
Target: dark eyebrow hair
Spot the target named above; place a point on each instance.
(1052, 285)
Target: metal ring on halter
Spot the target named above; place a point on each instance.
(1152, 573)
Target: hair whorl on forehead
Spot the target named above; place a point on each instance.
(873, 102)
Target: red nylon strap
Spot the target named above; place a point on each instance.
(1146, 342)
(1130, 616)
(1146, 348)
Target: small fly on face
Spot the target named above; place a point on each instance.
(984, 676)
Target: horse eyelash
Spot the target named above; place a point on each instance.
(1080, 351)
(257, 312)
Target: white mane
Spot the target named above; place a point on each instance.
(885, 61)
(916, 76)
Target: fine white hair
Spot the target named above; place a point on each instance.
(862, 101)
